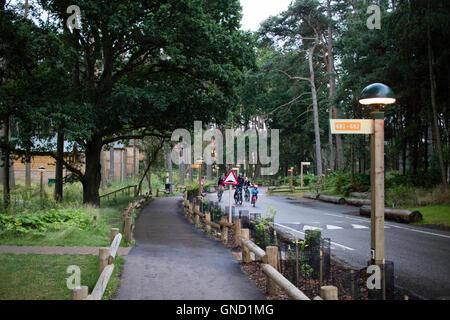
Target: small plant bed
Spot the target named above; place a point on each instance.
(44, 277)
(254, 271)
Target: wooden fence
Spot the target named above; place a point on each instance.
(270, 257)
(123, 190)
(106, 267)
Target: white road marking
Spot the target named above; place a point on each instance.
(357, 226)
(331, 227)
(302, 233)
(420, 231)
(311, 228)
(333, 215)
(362, 220)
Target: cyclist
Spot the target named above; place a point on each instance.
(238, 192)
(221, 185)
(255, 192)
(247, 189)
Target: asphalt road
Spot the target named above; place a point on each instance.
(421, 256)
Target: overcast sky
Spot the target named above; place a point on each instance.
(256, 11)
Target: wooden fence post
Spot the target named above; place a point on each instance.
(113, 233)
(80, 293)
(207, 222)
(245, 234)
(127, 229)
(224, 231)
(237, 232)
(329, 293)
(196, 219)
(103, 257)
(272, 259)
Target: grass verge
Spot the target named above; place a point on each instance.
(437, 216)
(44, 277)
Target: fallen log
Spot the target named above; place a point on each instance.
(397, 215)
(358, 202)
(332, 199)
(359, 194)
(310, 196)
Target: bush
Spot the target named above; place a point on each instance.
(40, 222)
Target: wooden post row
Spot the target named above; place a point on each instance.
(245, 234)
(272, 259)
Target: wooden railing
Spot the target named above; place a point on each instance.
(106, 267)
(270, 261)
(123, 190)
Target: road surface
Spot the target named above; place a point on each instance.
(421, 256)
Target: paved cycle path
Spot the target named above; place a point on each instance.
(173, 260)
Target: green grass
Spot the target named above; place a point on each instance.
(44, 277)
(438, 215)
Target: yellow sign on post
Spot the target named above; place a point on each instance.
(344, 126)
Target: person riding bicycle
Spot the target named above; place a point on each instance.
(247, 185)
(221, 186)
(241, 181)
(221, 181)
(255, 192)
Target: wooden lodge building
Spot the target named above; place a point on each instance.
(125, 159)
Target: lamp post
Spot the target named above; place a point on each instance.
(377, 95)
(200, 163)
(42, 169)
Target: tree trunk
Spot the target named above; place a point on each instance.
(12, 177)
(92, 177)
(333, 110)
(124, 165)
(316, 111)
(135, 169)
(5, 160)
(182, 173)
(435, 111)
(168, 158)
(28, 172)
(103, 172)
(59, 167)
(111, 164)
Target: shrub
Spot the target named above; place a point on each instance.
(40, 222)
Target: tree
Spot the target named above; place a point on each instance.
(297, 26)
(143, 69)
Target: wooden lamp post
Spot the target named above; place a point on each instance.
(377, 95)
(200, 163)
